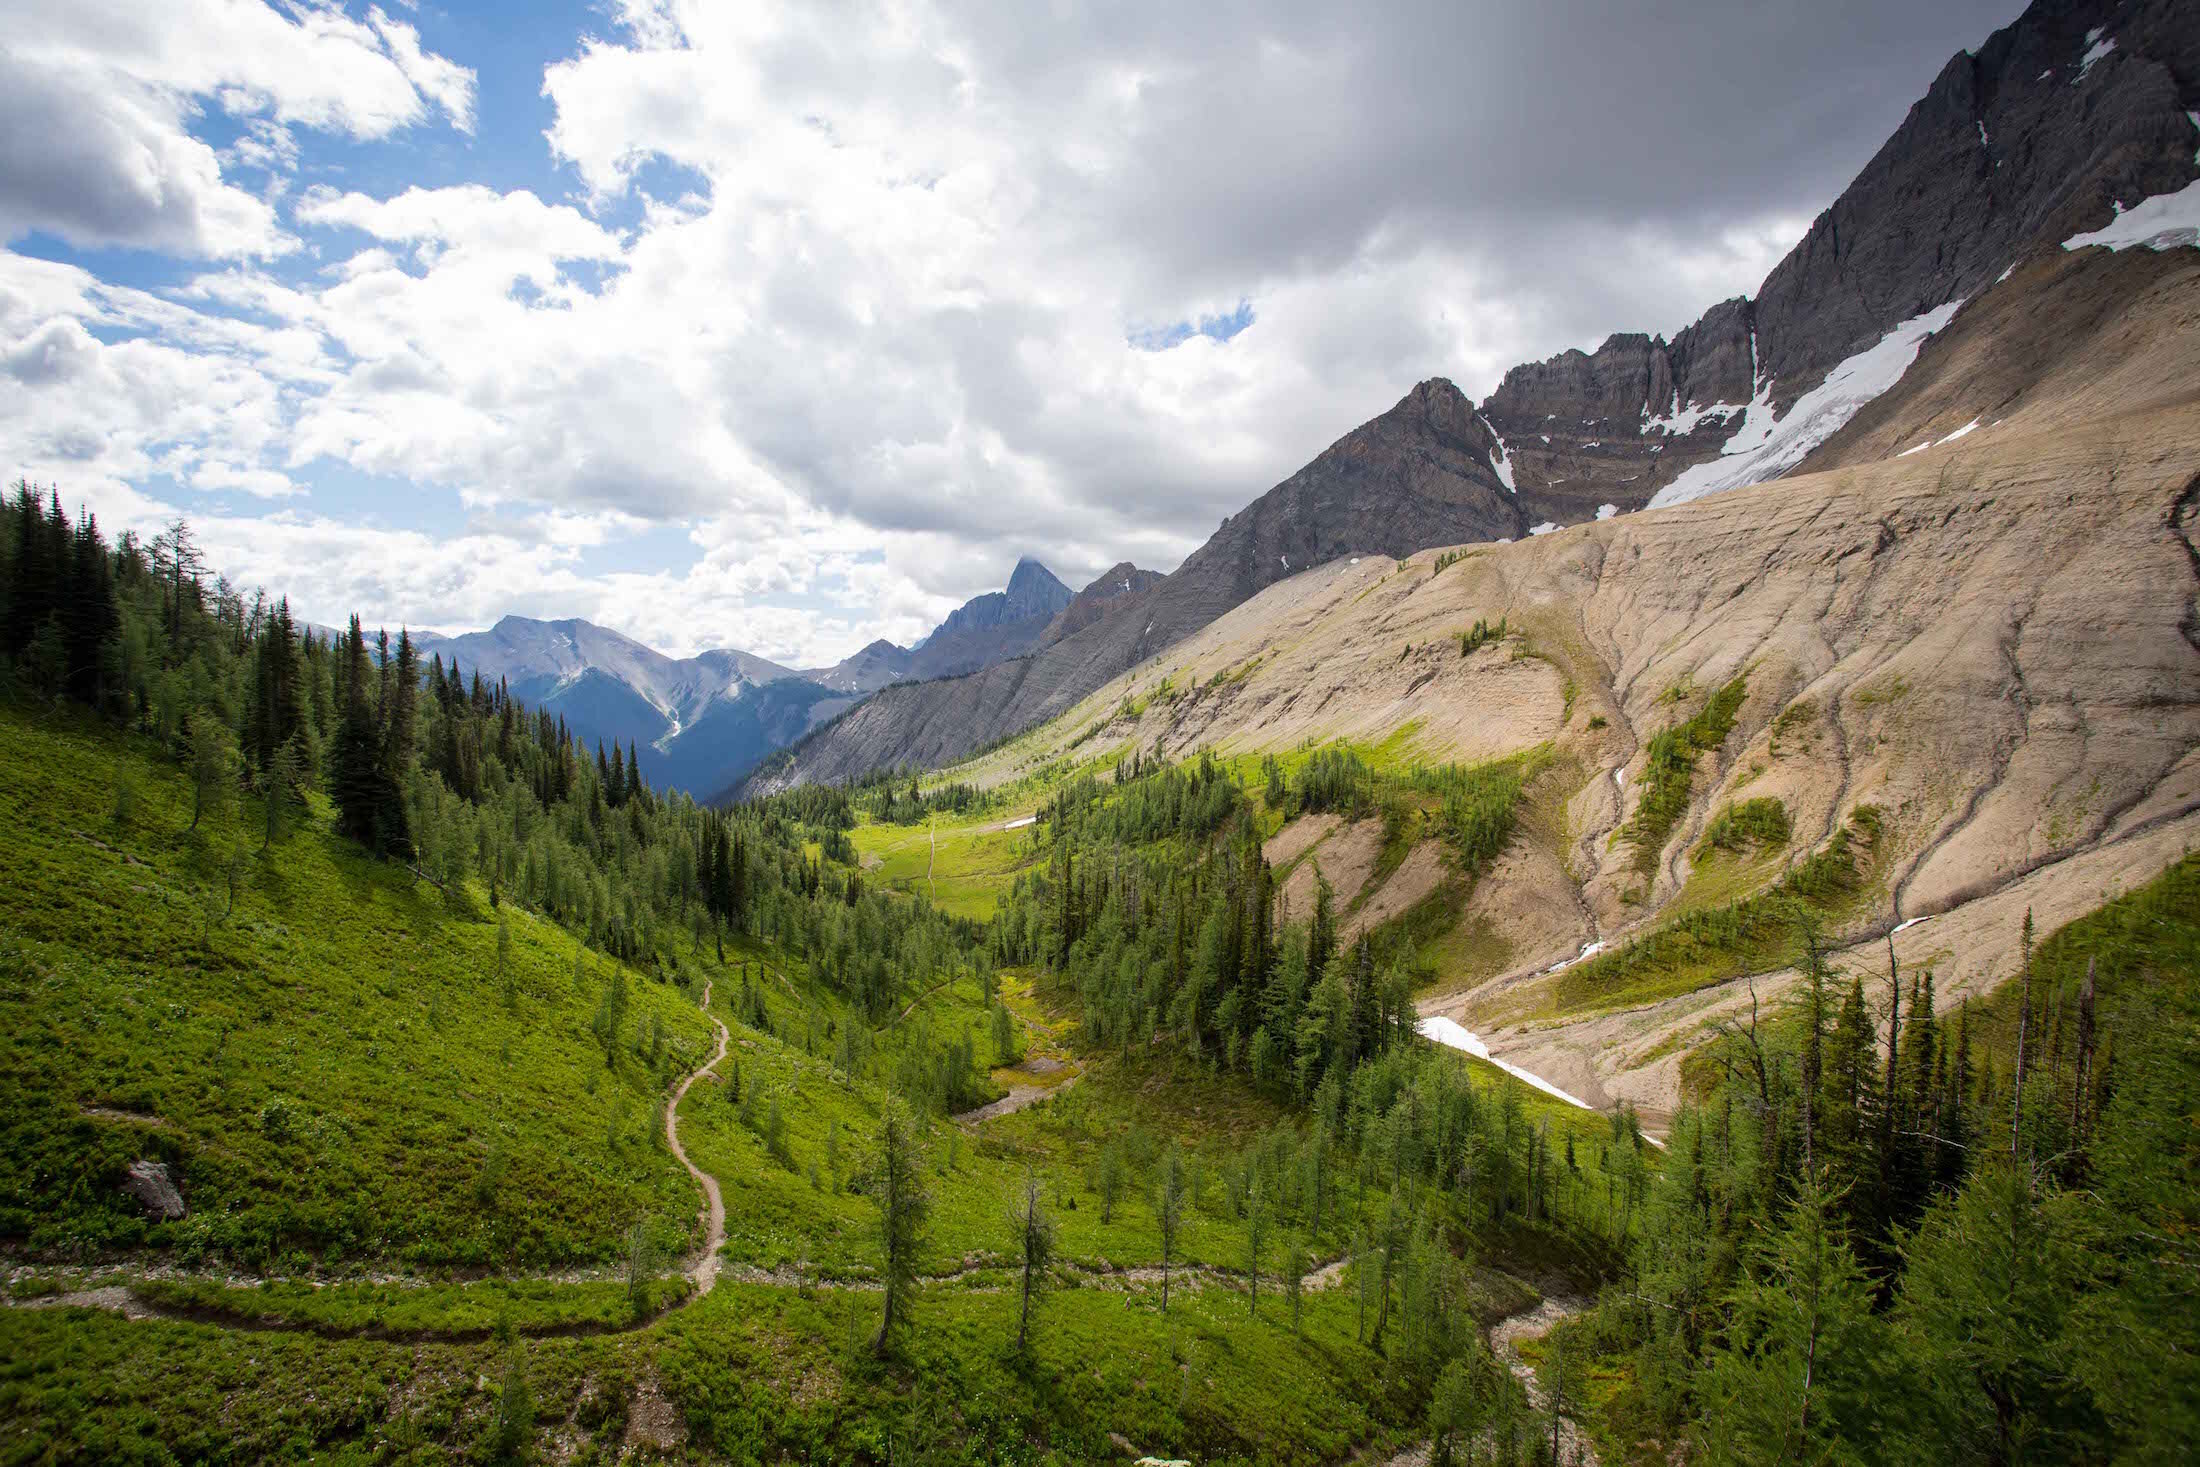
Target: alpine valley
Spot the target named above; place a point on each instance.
(1653, 917)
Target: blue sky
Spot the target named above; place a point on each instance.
(790, 326)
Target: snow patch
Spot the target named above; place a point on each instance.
(1765, 446)
(1606, 511)
(2007, 271)
(1680, 421)
(1982, 139)
(1453, 1035)
(2096, 48)
(2164, 222)
(1500, 461)
(1963, 432)
(1588, 950)
(1020, 824)
(1544, 529)
(1907, 925)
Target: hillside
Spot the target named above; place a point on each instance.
(1988, 643)
(408, 1159)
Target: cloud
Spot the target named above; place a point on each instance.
(852, 305)
(98, 99)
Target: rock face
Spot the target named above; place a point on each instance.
(1116, 587)
(1584, 431)
(2076, 107)
(1033, 593)
(1418, 475)
(147, 1183)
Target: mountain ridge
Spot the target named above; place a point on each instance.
(1581, 436)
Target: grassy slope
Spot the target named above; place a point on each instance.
(975, 860)
(328, 1070)
(365, 1010)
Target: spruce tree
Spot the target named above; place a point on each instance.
(1169, 1215)
(1034, 1248)
(898, 1188)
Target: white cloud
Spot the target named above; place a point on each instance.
(865, 339)
(98, 99)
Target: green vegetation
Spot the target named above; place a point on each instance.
(396, 984)
(1669, 767)
(1849, 1258)
(1480, 635)
(1751, 935)
(1751, 824)
(961, 867)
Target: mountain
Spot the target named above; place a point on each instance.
(696, 723)
(1420, 474)
(1961, 671)
(982, 631)
(867, 670)
(2064, 118)
(2073, 111)
(1033, 594)
(1114, 588)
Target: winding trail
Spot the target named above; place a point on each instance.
(1505, 1337)
(1573, 1447)
(704, 1271)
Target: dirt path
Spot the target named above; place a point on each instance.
(1573, 1447)
(703, 1272)
(705, 1268)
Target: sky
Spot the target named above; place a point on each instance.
(787, 326)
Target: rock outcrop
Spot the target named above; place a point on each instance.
(2077, 107)
(147, 1183)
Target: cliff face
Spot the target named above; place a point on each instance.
(2078, 106)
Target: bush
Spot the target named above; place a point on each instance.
(1760, 822)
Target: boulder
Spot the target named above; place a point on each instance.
(149, 1183)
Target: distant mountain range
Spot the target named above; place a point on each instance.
(701, 723)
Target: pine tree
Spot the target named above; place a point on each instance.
(1034, 1246)
(213, 766)
(1989, 1283)
(1802, 1357)
(92, 620)
(1169, 1215)
(280, 789)
(903, 1206)
(355, 771)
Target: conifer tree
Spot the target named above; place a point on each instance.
(898, 1188)
(1034, 1247)
(1169, 1215)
